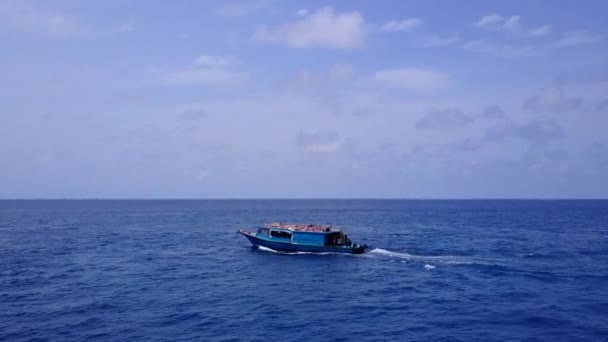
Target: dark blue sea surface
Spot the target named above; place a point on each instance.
(486, 270)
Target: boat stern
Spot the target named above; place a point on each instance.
(359, 249)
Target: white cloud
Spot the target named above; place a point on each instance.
(401, 25)
(490, 19)
(302, 12)
(438, 41)
(318, 142)
(552, 99)
(444, 118)
(323, 28)
(216, 61)
(413, 78)
(511, 25)
(18, 16)
(207, 70)
(495, 21)
(576, 38)
(540, 31)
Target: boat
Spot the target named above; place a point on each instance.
(302, 238)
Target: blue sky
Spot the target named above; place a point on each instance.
(278, 99)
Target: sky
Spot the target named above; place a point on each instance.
(317, 99)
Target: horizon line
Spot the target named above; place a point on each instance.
(301, 198)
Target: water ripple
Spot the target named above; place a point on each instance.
(175, 270)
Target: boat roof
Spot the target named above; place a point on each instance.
(298, 227)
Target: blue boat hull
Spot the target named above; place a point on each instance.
(294, 247)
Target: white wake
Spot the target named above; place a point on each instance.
(436, 259)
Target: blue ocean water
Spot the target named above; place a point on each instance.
(176, 271)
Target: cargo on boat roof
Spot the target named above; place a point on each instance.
(302, 227)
